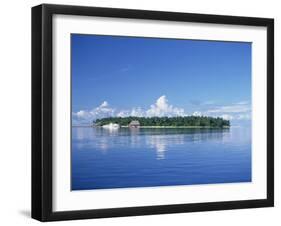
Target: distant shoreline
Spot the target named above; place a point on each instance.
(164, 122)
(176, 127)
(162, 127)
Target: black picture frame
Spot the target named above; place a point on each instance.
(42, 111)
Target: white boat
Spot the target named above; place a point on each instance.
(111, 126)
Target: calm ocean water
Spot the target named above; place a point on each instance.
(103, 158)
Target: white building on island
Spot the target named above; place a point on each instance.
(111, 126)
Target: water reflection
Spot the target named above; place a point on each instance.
(161, 143)
(141, 157)
(159, 140)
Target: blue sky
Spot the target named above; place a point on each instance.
(121, 76)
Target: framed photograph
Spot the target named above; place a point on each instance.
(145, 112)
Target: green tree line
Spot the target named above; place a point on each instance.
(166, 121)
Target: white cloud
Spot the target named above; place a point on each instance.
(237, 111)
(226, 116)
(243, 116)
(162, 108)
(197, 113)
(236, 108)
(104, 104)
(99, 112)
(82, 114)
(123, 113)
(137, 112)
(103, 110)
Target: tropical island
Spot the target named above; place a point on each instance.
(163, 122)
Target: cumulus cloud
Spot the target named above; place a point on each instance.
(104, 104)
(124, 113)
(137, 112)
(103, 110)
(162, 108)
(197, 113)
